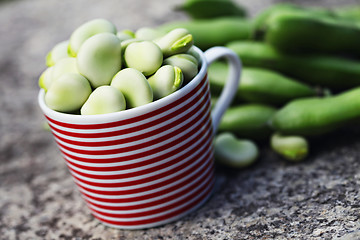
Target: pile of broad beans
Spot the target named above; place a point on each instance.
(100, 70)
(301, 76)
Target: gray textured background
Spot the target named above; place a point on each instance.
(315, 199)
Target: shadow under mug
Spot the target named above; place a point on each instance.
(150, 165)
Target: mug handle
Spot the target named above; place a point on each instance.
(232, 82)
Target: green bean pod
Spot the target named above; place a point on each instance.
(233, 152)
(333, 72)
(292, 148)
(305, 32)
(213, 32)
(349, 12)
(316, 116)
(248, 121)
(259, 85)
(261, 20)
(208, 9)
(148, 34)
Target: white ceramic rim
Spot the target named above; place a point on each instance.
(129, 113)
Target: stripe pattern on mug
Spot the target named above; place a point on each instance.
(145, 170)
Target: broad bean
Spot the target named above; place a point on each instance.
(125, 35)
(58, 52)
(147, 33)
(104, 99)
(166, 80)
(186, 62)
(88, 30)
(134, 86)
(292, 148)
(234, 152)
(176, 41)
(64, 65)
(45, 78)
(99, 58)
(68, 93)
(144, 56)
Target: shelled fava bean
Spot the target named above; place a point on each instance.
(101, 70)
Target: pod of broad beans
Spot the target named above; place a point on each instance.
(101, 70)
(300, 63)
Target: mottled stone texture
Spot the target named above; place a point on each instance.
(315, 199)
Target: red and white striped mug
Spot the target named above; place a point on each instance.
(152, 164)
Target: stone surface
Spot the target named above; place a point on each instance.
(315, 199)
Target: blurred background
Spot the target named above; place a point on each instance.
(29, 29)
(37, 196)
